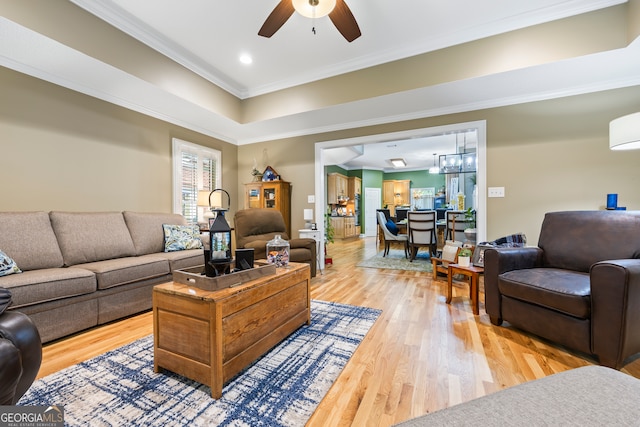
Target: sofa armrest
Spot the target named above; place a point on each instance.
(615, 310)
(501, 260)
(303, 243)
(18, 329)
(10, 371)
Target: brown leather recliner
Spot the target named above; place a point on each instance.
(20, 352)
(580, 287)
(255, 227)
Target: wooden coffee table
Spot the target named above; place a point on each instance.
(210, 336)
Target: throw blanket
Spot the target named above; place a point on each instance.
(517, 240)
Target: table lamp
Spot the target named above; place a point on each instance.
(308, 218)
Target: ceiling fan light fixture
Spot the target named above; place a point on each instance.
(314, 8)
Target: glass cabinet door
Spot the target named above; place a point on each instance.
(254, 198)
(270, 198)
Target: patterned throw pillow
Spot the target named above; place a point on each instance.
(181, 237)
(7, 265)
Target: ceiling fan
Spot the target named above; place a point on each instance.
(338, 12)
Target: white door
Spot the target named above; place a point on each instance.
(372, 201)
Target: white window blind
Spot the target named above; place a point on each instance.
(195, 168)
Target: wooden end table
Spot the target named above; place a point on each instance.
(210, 336)
(473, 273)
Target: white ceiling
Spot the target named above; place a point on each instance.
(208, 37)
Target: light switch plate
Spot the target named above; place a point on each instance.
(311, 198)
(495, 192)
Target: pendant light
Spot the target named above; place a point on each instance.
(434, 169)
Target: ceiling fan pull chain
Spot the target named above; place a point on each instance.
(313, 22)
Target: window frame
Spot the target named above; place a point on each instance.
(179, 147)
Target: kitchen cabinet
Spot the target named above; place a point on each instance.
(338, 227)
(396, 193)
(355, 187)
(271, 195)
(337, 188)
(344, 227)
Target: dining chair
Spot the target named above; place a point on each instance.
(421, 229)
(455, 225)
(449, 256)
(387, 215)
(390, 237)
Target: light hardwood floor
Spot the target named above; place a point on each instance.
(420, 356)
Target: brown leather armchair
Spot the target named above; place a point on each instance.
(20, 352)
(580, 287)
(255, 227)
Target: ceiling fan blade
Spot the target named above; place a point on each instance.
(277, 18)
(344, 21)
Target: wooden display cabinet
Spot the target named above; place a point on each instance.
(270, 195)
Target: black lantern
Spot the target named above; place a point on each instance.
(219, 232)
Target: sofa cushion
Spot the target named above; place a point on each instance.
(91, 236)
(181, 237)
(7, 265)
(28, 238)
(146, 229)
(180, 259)
(120, 271)
(562, 290)
(48, 284)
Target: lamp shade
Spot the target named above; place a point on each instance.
(308, 214)
(203, 198)
(624, 132)
(314, 8)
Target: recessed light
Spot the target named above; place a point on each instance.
(399, 163)
(246, 59)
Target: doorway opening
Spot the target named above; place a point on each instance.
(323, 148)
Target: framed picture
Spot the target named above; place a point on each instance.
(478, 255)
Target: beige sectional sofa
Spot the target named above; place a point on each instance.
(82, 269)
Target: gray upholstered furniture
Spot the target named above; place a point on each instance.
(82, 269)
(587, 396)
(580, 287)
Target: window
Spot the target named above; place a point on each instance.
(194, 168)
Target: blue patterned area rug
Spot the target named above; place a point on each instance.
(395, 260)
(283, 388)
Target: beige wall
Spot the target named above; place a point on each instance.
(66, 151)
(61, 150)
(549, 155)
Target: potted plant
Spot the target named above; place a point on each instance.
(464, 257)
(328, 237)
(470, 231)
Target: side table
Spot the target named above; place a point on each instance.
(307, 233)
(473, 273)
